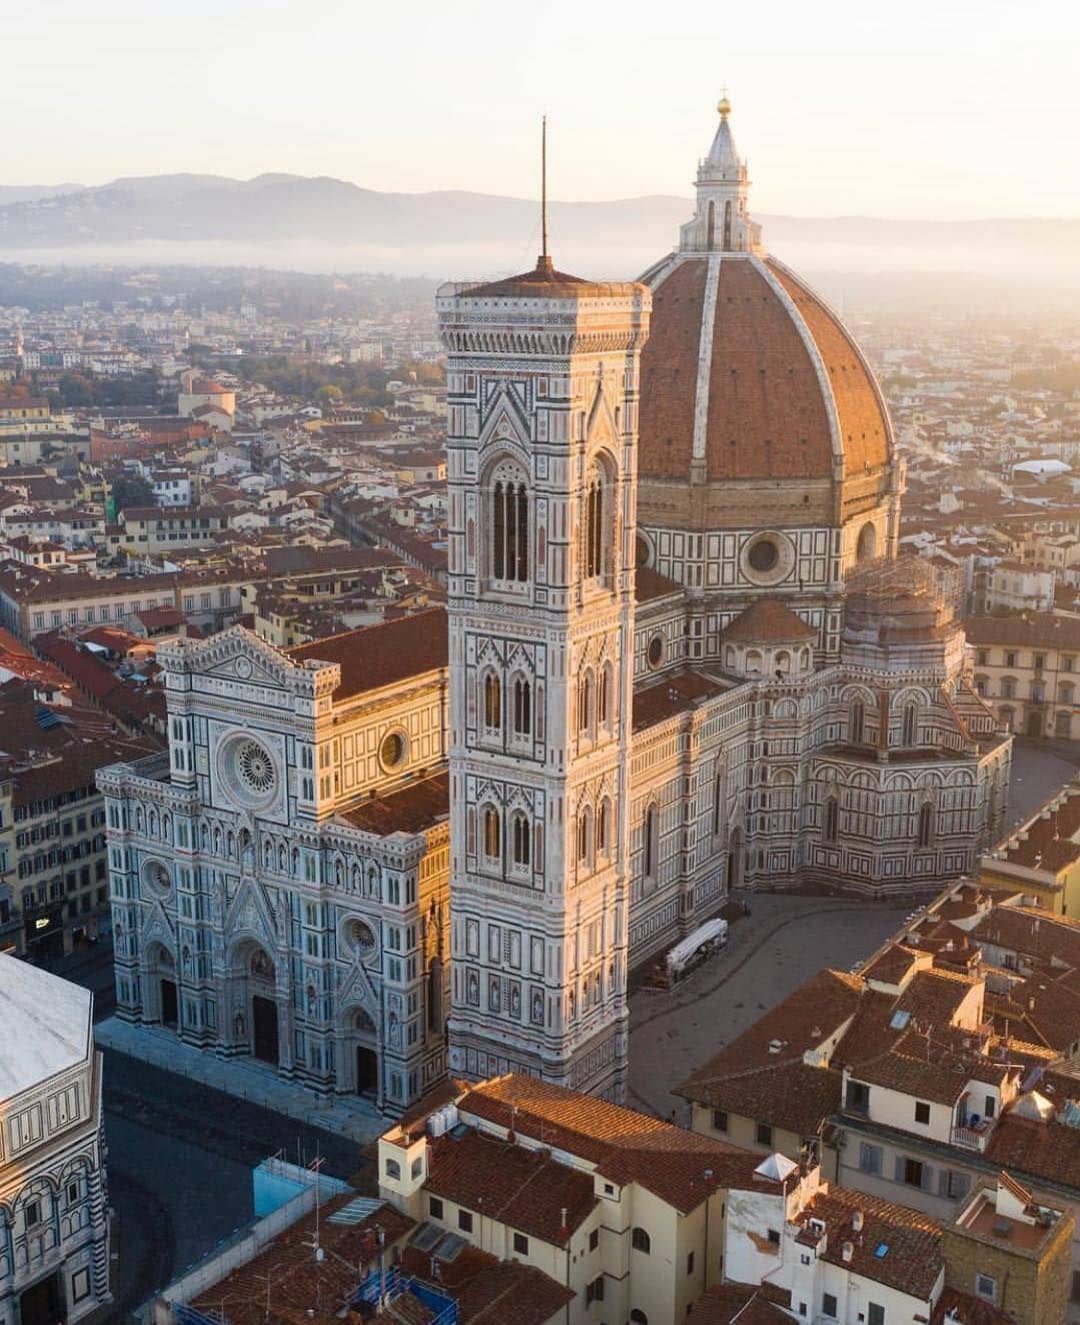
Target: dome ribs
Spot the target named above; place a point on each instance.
(763, 390)
(863, 427)
(667, 394)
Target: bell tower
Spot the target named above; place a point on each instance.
(542, 382)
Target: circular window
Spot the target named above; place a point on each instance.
(255, 768)
(763, 555)
(156, 873)
(392, 750)
(361, 936)
(656, 651)
(767, 558)
(248, 770)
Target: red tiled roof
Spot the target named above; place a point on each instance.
(377, 656)
(525, 1189)
(768, 621)
(913, 1260)
(678, 1166)
(768, 416)
(547, 283)
(414, 808)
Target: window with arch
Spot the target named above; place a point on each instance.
(603, 696)
(603, 828)
(857, 723)
(926, 824)
(638, 1317)
(640, 1240)
(1007, 717)
(593, 561)
(492, 701)
(521, 840)
(585, 701)
(522, 707)
(651, 843)
(584, 837)
(492, 832)
(911, 725)
(718, 802)
(866, 549)
(832, 815)
(509, 524)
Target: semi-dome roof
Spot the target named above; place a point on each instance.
(747, 374)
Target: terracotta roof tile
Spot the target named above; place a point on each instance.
(525, 1189)
(913, 1260)
(766, 621)
(377, 656)
(417, 806)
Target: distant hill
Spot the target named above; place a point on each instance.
(32, 192)
(469, 233)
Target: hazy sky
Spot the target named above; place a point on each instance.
(947, 108)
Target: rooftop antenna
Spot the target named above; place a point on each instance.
(544, 261)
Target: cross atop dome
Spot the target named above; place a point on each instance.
(721, 222)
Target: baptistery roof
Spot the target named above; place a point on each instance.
(747, 373)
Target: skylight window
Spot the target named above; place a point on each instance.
(900, 1020)
(881, 1250)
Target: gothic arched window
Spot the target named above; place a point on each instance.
(926, 824)
(857, 722)
(603, 696)
(522, 707)
(520, 838)
(509, 524)
(492, 832)
(718, 802)
(584, 839)
(593, 560)
(585, 701)
(492, 702)
(911, 725)
(831, 817)
(603, 828)
(650, 844)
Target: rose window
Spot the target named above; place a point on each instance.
(255, 768)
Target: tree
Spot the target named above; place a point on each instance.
(131, 490)
(329, 394)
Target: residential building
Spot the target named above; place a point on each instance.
(942, 1060)
(1025, 666)
(1041, 857)
(54, 1236)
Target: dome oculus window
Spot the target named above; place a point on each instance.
(655, 652)
(392, 750)
(763, 555)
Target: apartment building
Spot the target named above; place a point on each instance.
(941, 1061)
(34, 600)
(52, 822)
(1041, 857)
(1026, 667)
(153, 529)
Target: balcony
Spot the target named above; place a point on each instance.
(973, 1136)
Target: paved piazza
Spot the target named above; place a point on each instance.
(783, 941)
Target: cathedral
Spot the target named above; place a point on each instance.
(679, 657)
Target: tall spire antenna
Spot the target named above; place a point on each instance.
(544, 262)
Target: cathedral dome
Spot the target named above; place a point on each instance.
(748, 377)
